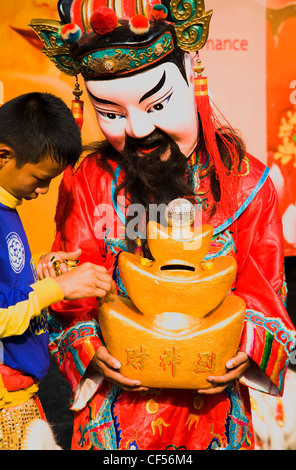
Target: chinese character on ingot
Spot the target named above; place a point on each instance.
(136, 357)
(205, 363)
(171, 358)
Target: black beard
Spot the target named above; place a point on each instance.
(148, 179)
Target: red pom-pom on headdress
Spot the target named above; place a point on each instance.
(70, 33)
(139, 24)
(103, 21)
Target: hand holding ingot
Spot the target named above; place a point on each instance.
(181, 323)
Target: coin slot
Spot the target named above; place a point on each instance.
(177, 267)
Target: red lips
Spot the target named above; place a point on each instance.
(147, 150)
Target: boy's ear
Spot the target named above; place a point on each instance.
(6, 153)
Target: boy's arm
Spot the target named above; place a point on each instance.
(19, 306)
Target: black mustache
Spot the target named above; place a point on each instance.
(154, 139)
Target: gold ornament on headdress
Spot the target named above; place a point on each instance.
(191, 23)
(54, 48)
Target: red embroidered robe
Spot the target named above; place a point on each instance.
(107, 417)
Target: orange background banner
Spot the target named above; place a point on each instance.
(249, 60)
(281, 111)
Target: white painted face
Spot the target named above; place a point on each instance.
(135, 106)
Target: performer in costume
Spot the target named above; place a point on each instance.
(161, 143)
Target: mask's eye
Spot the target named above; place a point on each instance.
(109, 115)
(160, 105)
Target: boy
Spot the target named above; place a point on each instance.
(39, 138)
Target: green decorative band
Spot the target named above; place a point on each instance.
(122, 59)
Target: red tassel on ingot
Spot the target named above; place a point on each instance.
(77, 105)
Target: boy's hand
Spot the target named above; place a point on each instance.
(45, 267)
(87, 280)
(107, 366)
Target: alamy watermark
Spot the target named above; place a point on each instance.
(177, 221)
(292, 358)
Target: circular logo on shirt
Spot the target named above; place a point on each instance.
(16, 251)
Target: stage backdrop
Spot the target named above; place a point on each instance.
(248, 59)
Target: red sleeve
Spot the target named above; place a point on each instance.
(268, 334)
(75, 334)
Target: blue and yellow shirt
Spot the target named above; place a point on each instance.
(23, 299)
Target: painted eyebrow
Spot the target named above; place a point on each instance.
(151, 92)
(155, 89)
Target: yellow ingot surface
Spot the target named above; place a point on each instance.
(180, 325)
(173, 288)
(166, 245)
(172, 350)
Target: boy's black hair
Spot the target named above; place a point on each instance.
(39, 125)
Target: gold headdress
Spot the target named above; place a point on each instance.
(123, 48)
